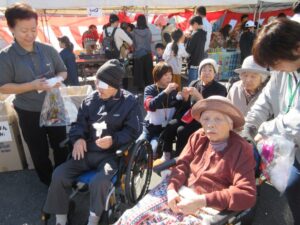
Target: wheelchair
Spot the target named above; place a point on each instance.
(225, 217)
(129, 184)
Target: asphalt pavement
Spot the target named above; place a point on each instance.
(22, 196)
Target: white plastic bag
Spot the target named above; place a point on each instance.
(57, 110)
(277, 158)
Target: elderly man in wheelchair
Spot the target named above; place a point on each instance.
(108, 119)
(215, 172)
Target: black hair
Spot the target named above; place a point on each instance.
(159, 45)
(196, 19)
(124, 26)
(281, 15)
(141, 22)
(176, 35)
(277, 41)
(201, 11)
(113, 18)
(225, 30)
(132, 27)
(65, 40)
(244, 16)
(19, 11)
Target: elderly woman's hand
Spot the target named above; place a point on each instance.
(190, 206)
(195, 93)
(173, 199)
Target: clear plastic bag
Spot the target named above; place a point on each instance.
(277, 158)
(57, 110)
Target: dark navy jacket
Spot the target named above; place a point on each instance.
(69, 59)
(157, 104)
(122, 114)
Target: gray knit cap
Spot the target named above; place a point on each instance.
(112, 73)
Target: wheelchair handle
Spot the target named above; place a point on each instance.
(165, 165)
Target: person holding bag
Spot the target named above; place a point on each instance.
(277, 109)
(25, 66)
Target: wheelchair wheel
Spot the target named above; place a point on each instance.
(139, 170)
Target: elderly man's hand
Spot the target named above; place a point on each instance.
(173, 199)
(79, 149)
(105, 142)
(189, 206)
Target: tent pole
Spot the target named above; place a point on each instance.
(255, 12)
(146, 12)
(43, 26)
(47, 27)
(260, 11)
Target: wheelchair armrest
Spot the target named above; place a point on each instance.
(120, 151)
(64, 143)
(165, 165)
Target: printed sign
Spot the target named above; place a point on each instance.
(233, 23)
(5, 134)
(94, 12)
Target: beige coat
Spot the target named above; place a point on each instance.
(237, 96)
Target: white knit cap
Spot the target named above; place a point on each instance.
(210, 62)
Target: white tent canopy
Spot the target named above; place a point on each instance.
(75, 4)
(59, 4)
(78, 7)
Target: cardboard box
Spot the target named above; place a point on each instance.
(11, 152)
(76, 93)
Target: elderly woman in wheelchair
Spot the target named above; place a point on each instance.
(107, 119)
(215, 170)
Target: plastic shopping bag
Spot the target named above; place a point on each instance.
(56, 110)
(277, 158)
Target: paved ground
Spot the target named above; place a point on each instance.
(22, 196)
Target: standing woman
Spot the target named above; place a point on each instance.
(174, 53)
(277, 109)
(69, 59)
(25, 65)
(142, 64)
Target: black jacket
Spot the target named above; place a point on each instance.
(195, 47)
(214, 88)
(246, 43)
(122, 115)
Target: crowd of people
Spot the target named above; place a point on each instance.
(211, 126)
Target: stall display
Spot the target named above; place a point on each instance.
(89, 64)
(228, 62)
